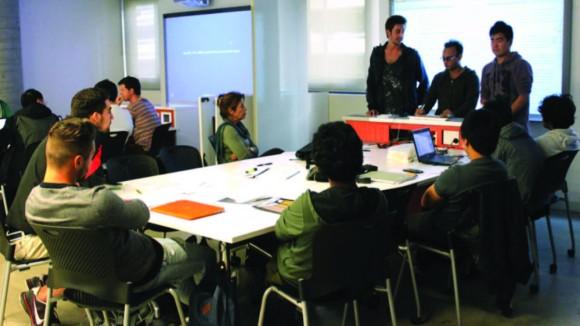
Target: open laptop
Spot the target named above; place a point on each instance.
(426, 150)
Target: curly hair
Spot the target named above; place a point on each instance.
(337, 151)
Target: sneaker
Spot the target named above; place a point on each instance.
(35, 309)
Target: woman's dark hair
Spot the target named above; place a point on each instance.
(558, 111)
(481, 129)
(229, 101)
(337, 151)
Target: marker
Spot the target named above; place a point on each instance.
(138, 191)
(292, 175)
(265, 164)
(248, 171)
(260, 173)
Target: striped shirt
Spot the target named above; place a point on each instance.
(145, 120)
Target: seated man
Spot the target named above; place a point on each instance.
(337, 151)
(520, 153)
(479, 135)
(145, 118)
(456, 89)
(558, 117)
(60, 201)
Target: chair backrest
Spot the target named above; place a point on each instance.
(114, 144)
(83, 259)
(160, 139)
(179, 158)
(129, 167)
(552, 176)
(344, 259)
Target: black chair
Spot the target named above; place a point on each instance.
(129, 167)
(551, 179)
(114, 144)
(494, 229)
(179, 158)
(83, 263)
(342, 277)
(161, 138)
(11, 264)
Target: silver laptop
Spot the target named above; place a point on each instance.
(426, 150)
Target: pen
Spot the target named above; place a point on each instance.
(259, 173)
(292, 175)
(138, 191)
(265, 164)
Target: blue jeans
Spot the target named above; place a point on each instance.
(184, 265)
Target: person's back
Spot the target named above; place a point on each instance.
(558, 117)
(33, 122)
(337, 151)
(522, 155)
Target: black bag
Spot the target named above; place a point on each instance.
(305, 153)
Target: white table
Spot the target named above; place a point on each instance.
(241, 222)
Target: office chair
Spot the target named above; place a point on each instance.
(551, 179)
(343, 277)
(179, 158)
(83, 263)
(114, 144)
(11, 264)
(131, 166)
(160, 139)
(495, 230)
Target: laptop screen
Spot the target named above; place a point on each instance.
(423, 142)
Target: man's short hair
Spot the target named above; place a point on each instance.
(109, 87)
(337, 151)
(131, 83)
(454, 44)
(68, 138)
(88, 101)
(394, 20)
(558, 110)
(503, 28)
(481, 130)
(30, 96)
(502, 110)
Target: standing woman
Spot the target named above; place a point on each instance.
(233, 140)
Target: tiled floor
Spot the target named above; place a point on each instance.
(558, 302)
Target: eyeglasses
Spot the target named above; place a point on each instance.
(449, 58)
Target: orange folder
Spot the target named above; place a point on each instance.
(187, 209)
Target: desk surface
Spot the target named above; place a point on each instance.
(414, 120)
(241, 221)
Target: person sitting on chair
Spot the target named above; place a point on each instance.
(233, 141)
(558, 117)
(520, 153)
(479, 135)
(61, 201)
(337, 152)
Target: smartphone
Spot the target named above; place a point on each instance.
(416, 171)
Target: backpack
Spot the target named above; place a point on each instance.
(215, 308)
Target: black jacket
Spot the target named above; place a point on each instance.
(414, 73)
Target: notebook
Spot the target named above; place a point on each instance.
(393, 177)
(277, 205)
(426, 150)
(187, 209)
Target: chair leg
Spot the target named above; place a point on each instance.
(126, 315)
(455, 286)
(401, 269)
(356, 312)
(535, 285)
(391, 302)
(106, 318)
(48, 306)
(304, 307)
(5, 283)
(89, 317)
(419, 316)
(554, 265)
(572, 250)
(4, 203)
(178, 306)
(344, 313)
(263, 306)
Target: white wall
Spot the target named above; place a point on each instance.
(68, 45)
